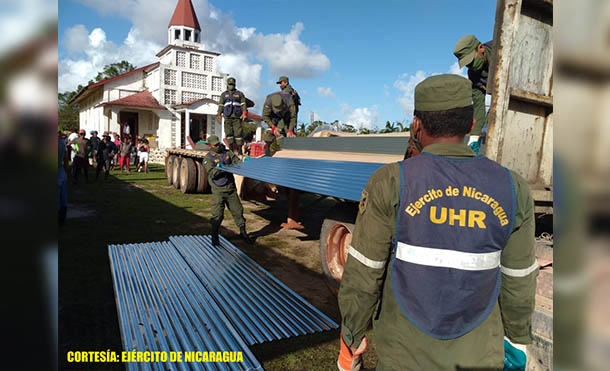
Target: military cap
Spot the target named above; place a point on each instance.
(282, 78)
(443, 92)
(277, 103)
(213, 140)
(465, 48)
(230, 81)
(268, 136)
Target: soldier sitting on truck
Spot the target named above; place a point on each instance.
(223, 189)
(280, 113)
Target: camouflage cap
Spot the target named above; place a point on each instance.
(464, 49)
(282, 78)
(231, 81)
(277, 103)
(443, 92)
(213, 140)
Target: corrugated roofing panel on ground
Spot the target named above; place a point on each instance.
(259, 306)
(162, 306)
(341, 179)
(390, 145)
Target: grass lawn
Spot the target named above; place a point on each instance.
(139, 207)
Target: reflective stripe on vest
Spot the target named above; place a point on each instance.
(232, 103)
(454, 219)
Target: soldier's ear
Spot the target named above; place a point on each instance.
(474, 121)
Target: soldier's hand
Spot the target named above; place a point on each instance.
(219, 116)
(243, 116)
(291, 134)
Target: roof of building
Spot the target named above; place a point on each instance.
(184, 15)
(100, 83)
(186, 47)
(142, 99)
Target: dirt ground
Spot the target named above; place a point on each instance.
(141, 207)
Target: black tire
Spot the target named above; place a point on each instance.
(169, 163)
(176, 172)
(188, 175)
(202, 178)
(335, 235)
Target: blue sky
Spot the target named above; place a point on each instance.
(355, 61)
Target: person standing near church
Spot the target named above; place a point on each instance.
(232, 106)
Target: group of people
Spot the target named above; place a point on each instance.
(104, 153)
(280, 112)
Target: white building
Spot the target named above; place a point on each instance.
(169, 100)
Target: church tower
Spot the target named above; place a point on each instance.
(184, 25)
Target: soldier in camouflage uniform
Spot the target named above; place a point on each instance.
(223, 188)
(232, 105)
(287, 88)
(279, 112)
(442, 263)
(478, 58)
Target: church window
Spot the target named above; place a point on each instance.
(208, 64)
(170, 77)
(195, 61)
(170, 96)
(193, 80)
(180, 59)
(216, 83)
(187, 35)
(189, 96)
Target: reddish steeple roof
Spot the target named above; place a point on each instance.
(184, 15)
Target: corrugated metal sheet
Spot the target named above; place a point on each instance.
(162, 306)
(341, 179)
(387, 145)
(259, 306)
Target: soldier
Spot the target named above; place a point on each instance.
(232, 105)
(287, 88)
(477, 57)
(435, 250)
(223, 188)
(279, 112)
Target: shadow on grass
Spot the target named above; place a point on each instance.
(152, 211)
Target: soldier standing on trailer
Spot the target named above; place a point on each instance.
(232, 105)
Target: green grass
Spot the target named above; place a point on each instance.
(139, 207)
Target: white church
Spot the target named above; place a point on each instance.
(170, 100)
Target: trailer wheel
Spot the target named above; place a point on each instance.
(335, 238)
(176, 171)
(188, 175)
(202, 178)
(169, 164)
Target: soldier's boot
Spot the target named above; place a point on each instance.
(244, 235)
(215, 228)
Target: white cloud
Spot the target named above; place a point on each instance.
(456, 70)
(21, 20)
(76, 38)
(362, 117)
(244, 50)
(325, 92)
(406, 85)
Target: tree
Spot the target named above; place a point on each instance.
(68, 115)
(301, 130)
(112, 70)
(348, 128)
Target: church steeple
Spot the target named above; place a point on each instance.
(184, 25)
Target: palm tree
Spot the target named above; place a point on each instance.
(302, 131)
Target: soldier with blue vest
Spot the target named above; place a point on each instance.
(223, 188)
(478, 58)
(232, 105)
(279, 112)
(442, 259)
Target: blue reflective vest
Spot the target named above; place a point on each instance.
(455, 217)
(232, 103)
(222, 178)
